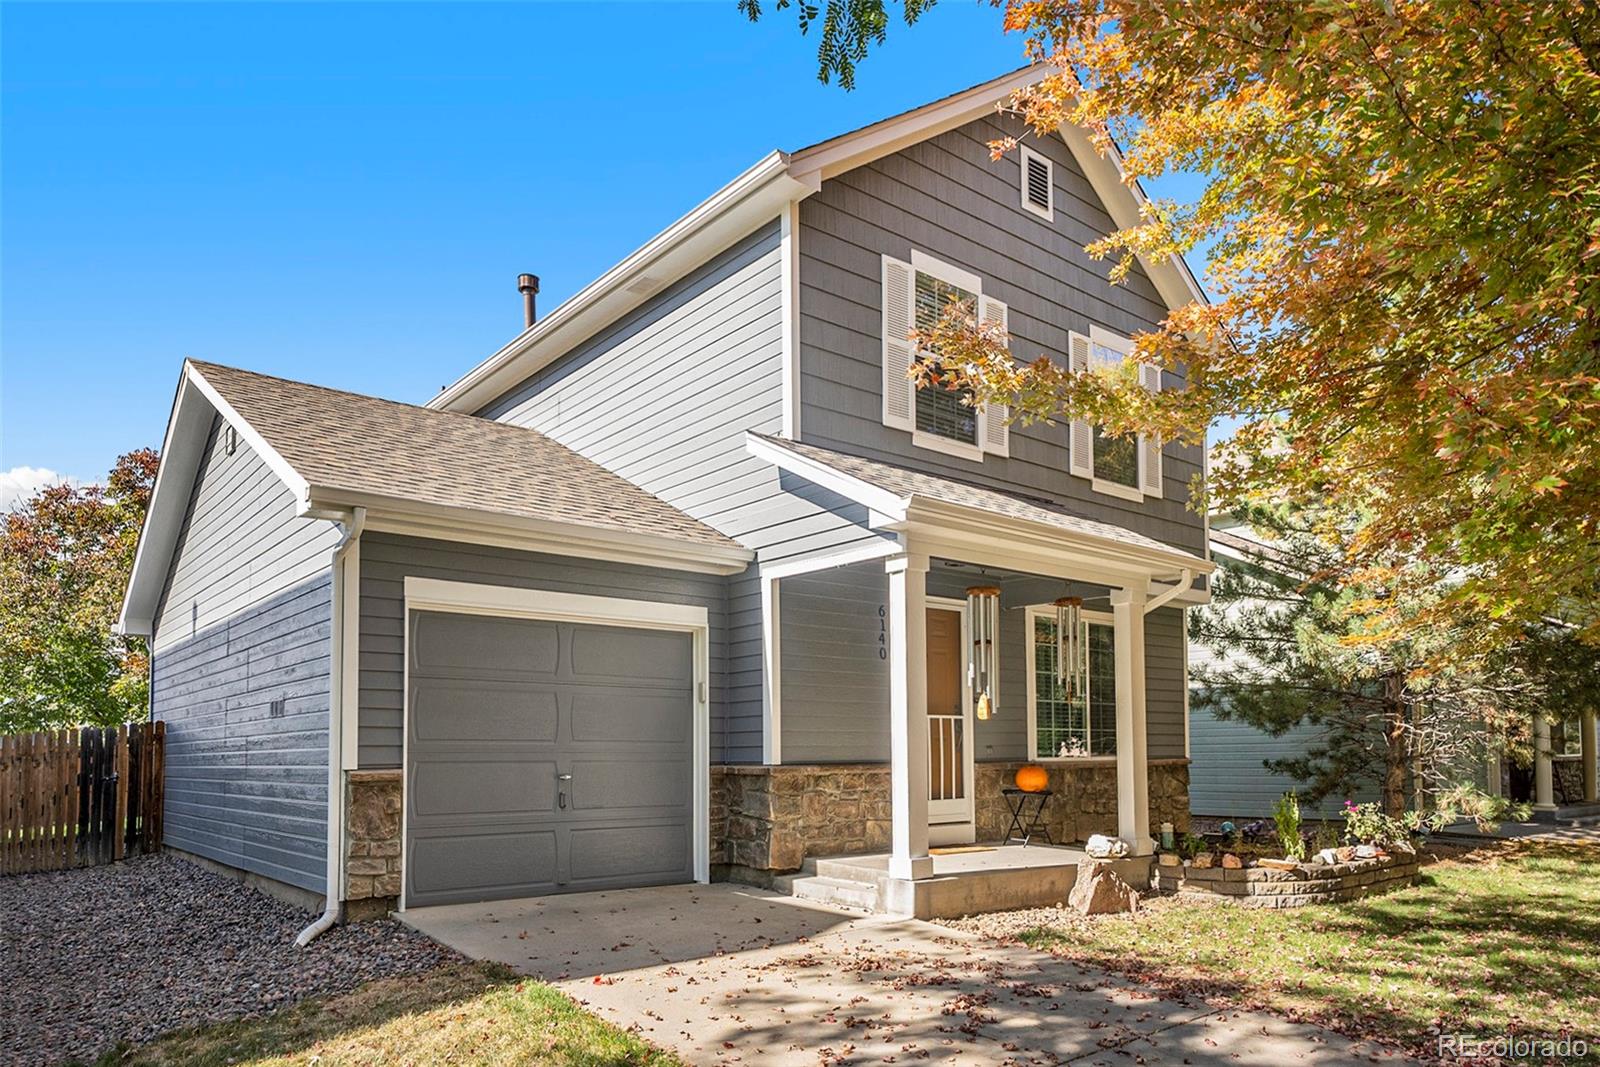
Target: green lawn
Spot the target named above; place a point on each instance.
(1488, 943)
(465, 1014)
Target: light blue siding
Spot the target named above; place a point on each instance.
(246, 707)
(241, 543)
(664, 397)
(1227, 777)
(387, 560)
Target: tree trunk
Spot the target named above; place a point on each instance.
(1397, 756)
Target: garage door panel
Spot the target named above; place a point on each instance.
(609, 714)
(631, 657)
(446, 787)
(483, 866)
(630, 854)
(614, 785)
(474, 643)
(497, 710)
(453, 710)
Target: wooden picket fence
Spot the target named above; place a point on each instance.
(79, 798)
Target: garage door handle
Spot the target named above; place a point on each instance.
(561, 794)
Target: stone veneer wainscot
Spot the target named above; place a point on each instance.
(768, 820)
(372, 827)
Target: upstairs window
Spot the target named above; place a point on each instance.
(1125, 467)
(916, 296)
(1038, 184)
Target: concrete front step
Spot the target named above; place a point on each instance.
(840, 892)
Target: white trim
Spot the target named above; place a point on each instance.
(789, 287)
(471, 525)
(750, 200)
(1116, 489)
(1029, 614)
(471, 598)
(875, 549)
(947, 273)
(1047, 212)
(269, 455)
(350, 660)
(1185, 611)
(932, 442)
(864, 493)
(964, 811)
(908, 717)
(1133, 752)
(771, 673)
(858, 147)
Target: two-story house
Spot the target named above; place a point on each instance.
(687, 580)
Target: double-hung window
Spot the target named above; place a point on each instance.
(916, 295)
(1126, 467)
(1085, 724)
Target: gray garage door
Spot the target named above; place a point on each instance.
(545, 758)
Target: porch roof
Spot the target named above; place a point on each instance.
(895, 492)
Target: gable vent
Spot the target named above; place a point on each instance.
(1037, 184)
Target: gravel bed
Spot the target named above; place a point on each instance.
(131, 950)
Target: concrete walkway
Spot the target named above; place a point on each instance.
(725, 974)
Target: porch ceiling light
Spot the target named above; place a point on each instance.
(1072, 666)
(983, 611)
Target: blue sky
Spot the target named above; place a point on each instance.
(345, 193)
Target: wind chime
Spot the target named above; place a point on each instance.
(983, 613)
(1072, 664)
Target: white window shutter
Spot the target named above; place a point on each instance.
(1149, 445)
(1080, 436)
(994, 420)
(899, 393)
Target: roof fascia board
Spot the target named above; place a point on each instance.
(443, 523)
(757, 196)
(891, 507)
(884, 138)
(181, 448)
(269, 455)
(1124, 202)
(1107, 552)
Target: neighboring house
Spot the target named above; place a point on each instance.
(672, 587)
(1228, 776)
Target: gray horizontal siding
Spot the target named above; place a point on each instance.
(945, 197)
(835, 686)
(1227, 776)
(387, 560)
(664, 397)
(244, 786)
(241, 543)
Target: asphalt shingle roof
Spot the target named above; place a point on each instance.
(905, 482)
(363, 444)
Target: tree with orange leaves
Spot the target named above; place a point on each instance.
(1401, 218)
(64, 563)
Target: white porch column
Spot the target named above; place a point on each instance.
(908, 717)
(1544, 798)
(1492, 771)
(1586, 746)
(1133, 762)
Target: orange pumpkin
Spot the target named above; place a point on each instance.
(1033, 778)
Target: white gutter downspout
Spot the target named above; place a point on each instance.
(1184, 581)
(352, 525)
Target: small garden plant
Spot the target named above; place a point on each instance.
(1286, 814)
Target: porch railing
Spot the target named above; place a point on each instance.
(947, 757)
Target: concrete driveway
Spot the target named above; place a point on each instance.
(726, 974)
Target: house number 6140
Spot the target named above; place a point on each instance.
(883, 632)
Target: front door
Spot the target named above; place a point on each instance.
(949, 731)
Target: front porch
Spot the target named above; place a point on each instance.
(966, 880)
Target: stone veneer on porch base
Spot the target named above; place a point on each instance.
(767, 820)
(372, 828)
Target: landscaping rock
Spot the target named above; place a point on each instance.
(1100, 891)
(1203, 861)
(132, 950)
(1231, 862)
(1100, 846)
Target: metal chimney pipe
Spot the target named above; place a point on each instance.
(528, 286)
